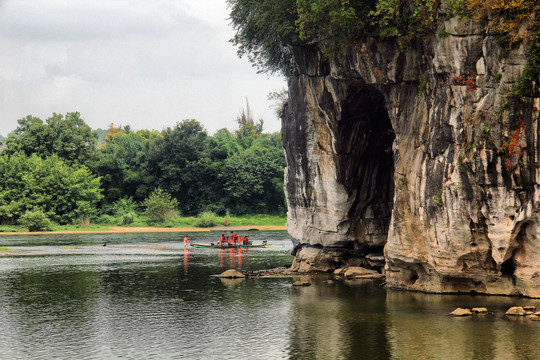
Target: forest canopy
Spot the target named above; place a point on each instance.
(57, 168)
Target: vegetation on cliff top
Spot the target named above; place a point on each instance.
(268, 31)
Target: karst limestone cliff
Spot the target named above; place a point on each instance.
(418, 154)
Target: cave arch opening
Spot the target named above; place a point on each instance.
(365, 138)
(510, 265)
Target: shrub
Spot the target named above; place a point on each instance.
(36, 220)
(125, 211)
(443, 33)
(207, 219)
(160, 207)
(124, 206)
(104, 219)
(127, 218)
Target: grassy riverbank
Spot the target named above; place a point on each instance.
(142, 224)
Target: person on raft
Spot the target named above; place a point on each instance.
(221, 240)
(238, 240)
(246, 240)
(186, 240)
(231, 241)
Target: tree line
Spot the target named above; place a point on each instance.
(57, 168)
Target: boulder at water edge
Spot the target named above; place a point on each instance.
(480, 310)
(461, 312)
(516, 311)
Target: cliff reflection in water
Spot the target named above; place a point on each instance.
(361, 320)
(336, 321)
(419, 328)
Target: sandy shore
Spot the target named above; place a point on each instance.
(127, 229)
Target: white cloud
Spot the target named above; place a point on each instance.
(144, 63)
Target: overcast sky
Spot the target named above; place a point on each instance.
(143, 63)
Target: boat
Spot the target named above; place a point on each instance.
(227, 246)
(235, 245)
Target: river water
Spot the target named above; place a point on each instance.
(143, 296)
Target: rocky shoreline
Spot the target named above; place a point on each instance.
(349, 272)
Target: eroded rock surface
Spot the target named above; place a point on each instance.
(420, 152)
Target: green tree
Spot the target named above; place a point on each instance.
(36, 221)
(248, 129)
(331, 22)
(253, 179)
(179, 164)
(123, 164)
(66, 136)
(265, 32)
(160, 206)
(64, 193)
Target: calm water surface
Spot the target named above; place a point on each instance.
(144, 297)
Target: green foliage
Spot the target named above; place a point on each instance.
(125, 210)
(67, 137)
(269, 31)
(160, 207)
(330, 22)
(200, 172)
(123, 164)
(265, 32)
(404, 18)
(124, 206)
(280, 99)
(253, 179)
(65, 193)
(127, 218)
(248, 129)
(442, 33)
(207, 219)
(457, 8)
(531, 72)
(180, 165)
(36, 220)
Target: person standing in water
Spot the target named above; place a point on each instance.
(186, 240)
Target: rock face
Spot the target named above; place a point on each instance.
(420, 153)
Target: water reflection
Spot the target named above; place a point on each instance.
(151, 298)
(419, 327)
(231, 282)
(361, 320)
(140, 300)
(338, 321)
(186, 261)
